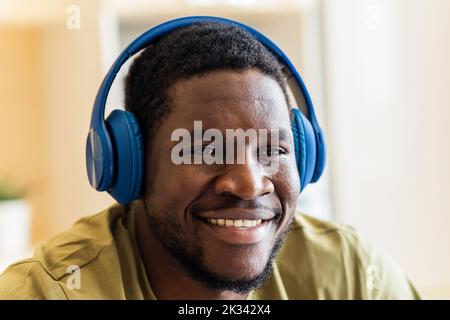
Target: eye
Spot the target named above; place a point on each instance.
(204, 150)
(272, 152)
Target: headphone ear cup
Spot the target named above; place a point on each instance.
(128, 149)
(99, 159)
(305, 146)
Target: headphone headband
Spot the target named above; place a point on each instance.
(151, 35)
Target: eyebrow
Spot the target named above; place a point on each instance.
(283, 134)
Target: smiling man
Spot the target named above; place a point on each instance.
(208, 231)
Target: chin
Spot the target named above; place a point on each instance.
(243, 267)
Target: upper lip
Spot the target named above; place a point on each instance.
(237, 214)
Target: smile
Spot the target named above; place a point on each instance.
(236, 226)
(235, 223)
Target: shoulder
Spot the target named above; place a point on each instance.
(28, 279)
(337, 262)
(44, 275)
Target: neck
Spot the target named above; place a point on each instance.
(165, 274)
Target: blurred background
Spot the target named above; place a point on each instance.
(378, 72)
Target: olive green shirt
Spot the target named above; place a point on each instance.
(98, 258)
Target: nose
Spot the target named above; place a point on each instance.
(246, 181)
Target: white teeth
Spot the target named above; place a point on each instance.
(248, 223)
(238, 223)
(235, 223)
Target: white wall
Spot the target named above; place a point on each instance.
(388, 106)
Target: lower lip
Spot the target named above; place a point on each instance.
(239, 235)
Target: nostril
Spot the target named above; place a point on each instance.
(227, 194)
(242, 184)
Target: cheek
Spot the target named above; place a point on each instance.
(175, 187)
(287, 183)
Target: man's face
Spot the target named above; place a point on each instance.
(181, 198)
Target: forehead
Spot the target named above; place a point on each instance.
(229, 99)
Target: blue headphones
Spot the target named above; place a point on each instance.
(114, 147)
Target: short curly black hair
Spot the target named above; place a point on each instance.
(186, 52)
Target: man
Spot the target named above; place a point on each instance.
(208, 231)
